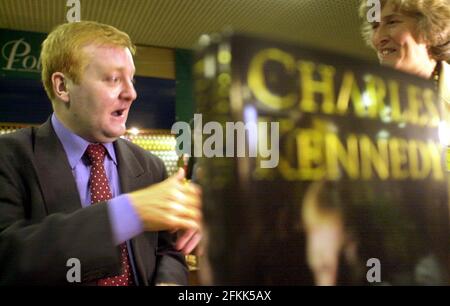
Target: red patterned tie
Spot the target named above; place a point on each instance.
(100, 191)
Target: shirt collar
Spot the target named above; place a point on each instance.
(74, 145)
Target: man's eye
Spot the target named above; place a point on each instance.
(375, 25)
(113, 79)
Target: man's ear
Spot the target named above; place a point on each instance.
(60, 86)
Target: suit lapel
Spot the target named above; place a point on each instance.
(129, 169)
(133, 177)
(53, 170)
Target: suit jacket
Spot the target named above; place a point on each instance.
(42, 223)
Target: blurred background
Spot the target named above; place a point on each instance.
(165, 31)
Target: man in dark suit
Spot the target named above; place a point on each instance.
(73, 192)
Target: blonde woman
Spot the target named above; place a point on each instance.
(413, 36)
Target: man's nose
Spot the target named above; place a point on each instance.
(129, 92)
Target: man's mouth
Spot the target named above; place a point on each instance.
(119, 112)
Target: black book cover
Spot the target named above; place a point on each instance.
(354, 189)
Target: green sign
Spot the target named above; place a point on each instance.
(20, 54)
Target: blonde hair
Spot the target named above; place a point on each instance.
(62, 49)
(433, 23)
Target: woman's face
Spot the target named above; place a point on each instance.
(398, 44)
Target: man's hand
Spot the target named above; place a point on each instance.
(170, 205)
(188, 240)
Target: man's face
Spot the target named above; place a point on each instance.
(99, 104)
(324, 244)
(397, 42)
